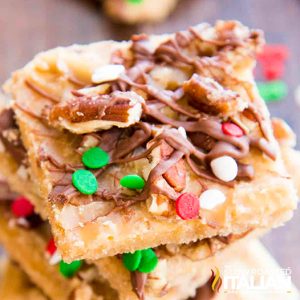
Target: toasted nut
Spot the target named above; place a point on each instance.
(210, 97)
(176, 176)
(202, 140)
(84, 114)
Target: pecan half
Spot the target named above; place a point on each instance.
(210, 97)
(85, 113)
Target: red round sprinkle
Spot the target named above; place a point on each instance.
(273, 53)
(187, 206)
(51, 247)
(232, 129)
(21, 207)
(273, 71)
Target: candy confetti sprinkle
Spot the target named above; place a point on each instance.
(51, 247)
(149, 261)
(132, 260)
(273, 90)
(85, 182)
(95, 158)
(69, 270)
(145, 261)
(232, 129)
(22, 208)
(187, 206)
(133, 182)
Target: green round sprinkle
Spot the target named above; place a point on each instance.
(135, 1)
(149, 261)
(132, 260)
(133, 181)
(273, 90)
(95, 158)
(69, 270)
(85, 182)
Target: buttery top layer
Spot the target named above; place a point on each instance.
(179, 114)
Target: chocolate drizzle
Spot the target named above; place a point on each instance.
(138, 281)
(204, 292)
(10, 136)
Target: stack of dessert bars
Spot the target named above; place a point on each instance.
(136, 168)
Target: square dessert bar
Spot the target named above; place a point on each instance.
(159, 140)
(175, 261)
(178, 266)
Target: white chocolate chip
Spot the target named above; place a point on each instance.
(211, 198)
(224, 168)
(55, 258)
(182, 131)
(107, 73)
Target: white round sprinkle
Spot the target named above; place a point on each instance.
(55, 258)
(211, 198)
(107, 73)
(182, 131)
(224, 168)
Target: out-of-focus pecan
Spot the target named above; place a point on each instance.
(210, 97)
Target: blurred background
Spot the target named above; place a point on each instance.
(30, 26)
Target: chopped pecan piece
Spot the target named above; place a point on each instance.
(176, 175)
(210, 97)
(84, 113)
